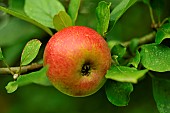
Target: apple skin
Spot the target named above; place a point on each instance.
(78, 59)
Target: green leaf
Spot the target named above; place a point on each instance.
(120, 9)
(30, 51)
(136, 60)
(163, 33)
(155, 57)
(62, 20)
(103, 16)
(133, 45)
(26, 18)
(118, 50)
(1, 55)
(161, 93)
(38, 77)
(125, 74)
(118, 92)
(11, 87)
(43, 11)
(16, 5)
(73, 9)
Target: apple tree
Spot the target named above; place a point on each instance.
(137, 33)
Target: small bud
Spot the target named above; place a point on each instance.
(15, 76)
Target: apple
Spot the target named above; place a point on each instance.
(78, 59)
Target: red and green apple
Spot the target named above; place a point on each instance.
(78, 59)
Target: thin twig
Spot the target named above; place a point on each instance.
(9, 69)
(24, 69)
(163, 22)
(151, 15)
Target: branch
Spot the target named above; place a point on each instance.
(143, 40)
(24, 69)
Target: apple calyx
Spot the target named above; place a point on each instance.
(86, 69)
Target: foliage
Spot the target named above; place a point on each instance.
(45, 16)
(161, 94)
(24, 17)
(73, 12)
(38, 77)
(103, 15)
(121, 92)
(125, 74)
(155, 57)
(30, 51)
(163, 33)
(132, 61)
(62, 20)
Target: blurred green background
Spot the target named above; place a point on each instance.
(14, 33)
